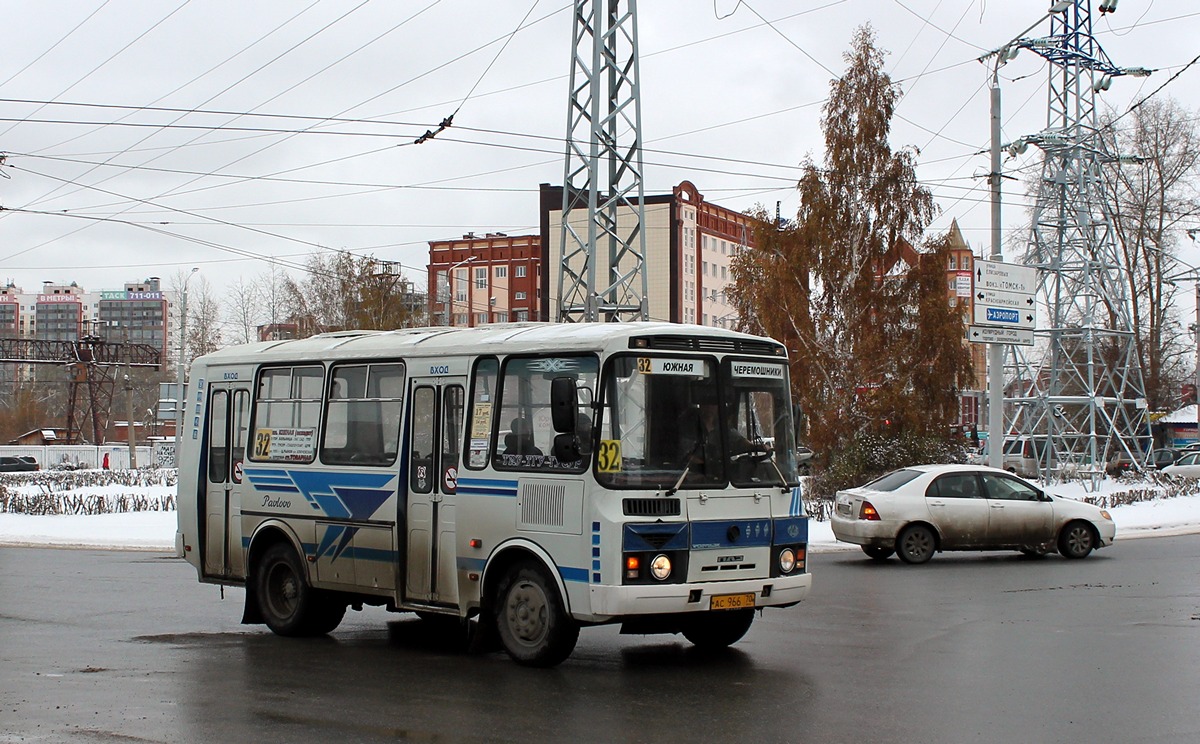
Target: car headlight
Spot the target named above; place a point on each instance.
(660, 567)
(787, 560)
(1104, 513)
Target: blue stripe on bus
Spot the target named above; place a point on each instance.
(277, 489)
(573, 574)
(793, 530)
(487, 487)
(470, 564)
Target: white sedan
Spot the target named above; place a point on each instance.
(917, 511)
(1187, 466)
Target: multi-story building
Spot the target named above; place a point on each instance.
(497, 278)
(690, 246)
(139, 314)
(476, 280)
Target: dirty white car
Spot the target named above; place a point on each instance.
(918, 511)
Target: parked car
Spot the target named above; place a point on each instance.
(1026, 455)
(17, 464)
(804, 456)
(917, 511)
(1188, 466)
(1164, 456)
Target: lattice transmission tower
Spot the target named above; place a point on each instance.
(1080, 386)
(602, 243)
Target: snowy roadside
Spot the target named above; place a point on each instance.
(155, 530)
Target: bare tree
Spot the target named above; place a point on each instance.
(203, 324)
(342, 291)
(1153, 201)
(245, 310)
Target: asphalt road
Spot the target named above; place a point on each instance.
(128, 647)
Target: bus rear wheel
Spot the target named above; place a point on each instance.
(289, 606)
(717, 629)
(531, 618)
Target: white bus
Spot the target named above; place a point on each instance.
(535, 478)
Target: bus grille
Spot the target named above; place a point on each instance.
(651, 507)
(695, 343)
(542, 504)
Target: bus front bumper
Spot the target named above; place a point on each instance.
(608, 602)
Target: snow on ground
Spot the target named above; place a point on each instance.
(156, 530)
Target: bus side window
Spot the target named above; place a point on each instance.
(421, 436)
(362, 419)
(483, 400)
(218, 413)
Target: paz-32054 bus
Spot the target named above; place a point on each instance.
(537, 478)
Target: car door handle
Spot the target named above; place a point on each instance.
(994, 505)
(937, 503)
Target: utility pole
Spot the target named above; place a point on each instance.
(179, 371)
(602, 245)
(998, 58)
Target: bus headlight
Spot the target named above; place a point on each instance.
(787, 560)
(660, 567)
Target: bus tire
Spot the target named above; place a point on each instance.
(289, 606)
(531, 618)
(717, 629)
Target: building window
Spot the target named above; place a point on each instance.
(481, 277)
(522, 316)
(481, 318)
(501, 272)
(519, 296)
(501, 317)
(953, 262)
(520, 271)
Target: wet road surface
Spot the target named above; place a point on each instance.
(992, 647)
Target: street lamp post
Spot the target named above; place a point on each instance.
(179, 372)
(450, 287)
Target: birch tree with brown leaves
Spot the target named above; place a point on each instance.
(875, 346)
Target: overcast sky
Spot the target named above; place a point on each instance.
(729, 100)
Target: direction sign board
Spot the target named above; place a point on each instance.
(1005, 277)
(1000, 298)
(1006, 317)
(982, 334)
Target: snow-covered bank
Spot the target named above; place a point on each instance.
(156, 530)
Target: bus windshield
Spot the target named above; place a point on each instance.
(693, 422)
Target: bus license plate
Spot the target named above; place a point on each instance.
(731, 601)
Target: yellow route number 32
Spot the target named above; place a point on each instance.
(608, 456)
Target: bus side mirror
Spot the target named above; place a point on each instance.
(563, 405)
(566, 448)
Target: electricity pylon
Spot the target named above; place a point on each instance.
(1080, 386)
(603, 246)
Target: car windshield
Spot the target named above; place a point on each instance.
(892, 480)
(671, 422)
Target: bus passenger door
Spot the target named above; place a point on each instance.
(435, 443)
(227, 427)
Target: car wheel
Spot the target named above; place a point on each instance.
(718, 629)
(1077, 540)
(534, 627)
(915, 544)
(878, 552)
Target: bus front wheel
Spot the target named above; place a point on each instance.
(531, 618)
(289, 606)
